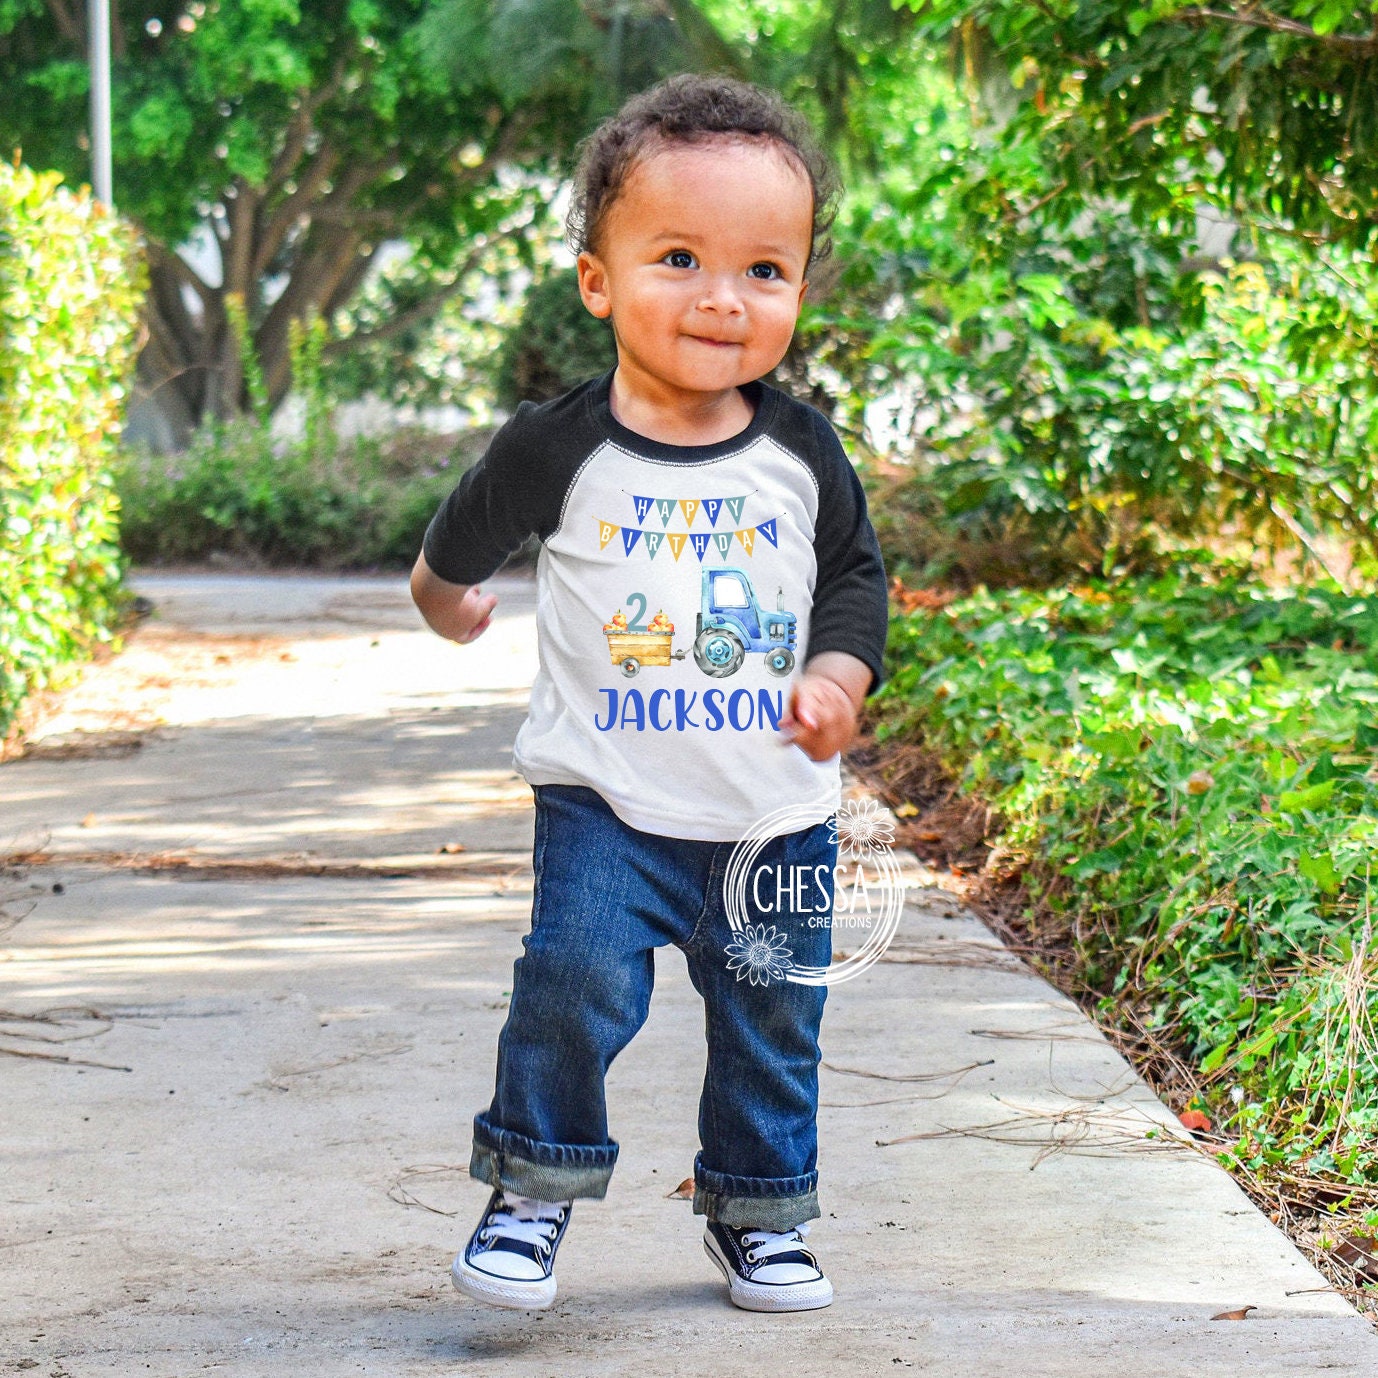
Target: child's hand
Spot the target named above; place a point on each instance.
(458, 612)
(821, 719)
(472, 615)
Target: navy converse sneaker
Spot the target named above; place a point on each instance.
(768, 1271)
(509, 1261)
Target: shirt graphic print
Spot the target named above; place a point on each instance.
(678, 589)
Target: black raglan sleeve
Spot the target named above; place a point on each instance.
(496, 506)
(851, 610)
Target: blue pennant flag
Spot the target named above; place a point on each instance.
(734, 505)
(723, 540)
(653, 540)
(699, 539)
(629, 535)
(712, 506)
(767, 529)
(643, 505)
(665, 507)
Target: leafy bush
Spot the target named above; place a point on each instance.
(314, 503)
(1071, 394)
(555, 345)
(1237, 429)
(69, 296)
(1191, 775)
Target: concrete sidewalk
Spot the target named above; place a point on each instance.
(280, 997)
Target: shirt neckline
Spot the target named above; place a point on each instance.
(761, 398)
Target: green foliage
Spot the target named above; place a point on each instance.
(1192, 773)
(237, 317)
(308, 134)
(316, 503)
(575, 62)
(1077, 396)
(1092, 450)
(211, 98)
(398, 342)
(1270, 112)
(69, 299)
(554, 345)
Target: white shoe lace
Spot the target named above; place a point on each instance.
(763, 1244)
(526, 1219)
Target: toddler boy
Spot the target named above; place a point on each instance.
(700, 532)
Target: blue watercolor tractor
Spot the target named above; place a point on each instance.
(731, 622)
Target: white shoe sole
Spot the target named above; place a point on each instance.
(509, 1292)
(765, 1296)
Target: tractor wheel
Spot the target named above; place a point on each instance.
(780, 662)
(718, 652)
(630, 666)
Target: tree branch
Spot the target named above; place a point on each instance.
(1291, 523)
(325, 262)
(163, 259)
(286, 213)
(118, 46)
(425, 310)
(237, 254)
(346, 286)
(1276, 23)
(299, 130)
(68, 22)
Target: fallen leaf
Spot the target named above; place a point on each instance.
(1361, 1253)
(1195, 1120)
(89, 821)
(930, 837)
(1236, 1315)
(450, 848)
(906, 810)
(1199, 781)
(683, 1192)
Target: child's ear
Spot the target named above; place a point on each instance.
(593, 285)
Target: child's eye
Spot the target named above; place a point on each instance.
(679, 258)
(764, 271)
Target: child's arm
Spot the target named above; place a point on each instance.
(458, 612)
(827, 697)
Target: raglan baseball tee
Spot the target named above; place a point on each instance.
(680, 591)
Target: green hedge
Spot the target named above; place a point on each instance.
(1190, 772)
(70, 287)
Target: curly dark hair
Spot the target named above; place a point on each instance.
(689, 109)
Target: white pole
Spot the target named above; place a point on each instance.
(98, 12)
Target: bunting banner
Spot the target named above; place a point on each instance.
(699, 541)
(690, 508)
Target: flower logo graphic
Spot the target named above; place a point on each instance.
(862, 830)
(866, 905)
(759, 955)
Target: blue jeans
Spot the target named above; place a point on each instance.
(605, 896)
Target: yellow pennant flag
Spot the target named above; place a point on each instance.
(690, 508)
(747, 538)
(677, 540)
(606, 531)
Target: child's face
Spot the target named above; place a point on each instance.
(700, 264)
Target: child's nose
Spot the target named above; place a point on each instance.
(720, 295)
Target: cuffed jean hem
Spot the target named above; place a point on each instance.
(761, 1203)
(547, 1172)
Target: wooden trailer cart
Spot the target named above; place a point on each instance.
(632, 650)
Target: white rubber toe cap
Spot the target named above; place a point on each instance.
(516, 1293)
